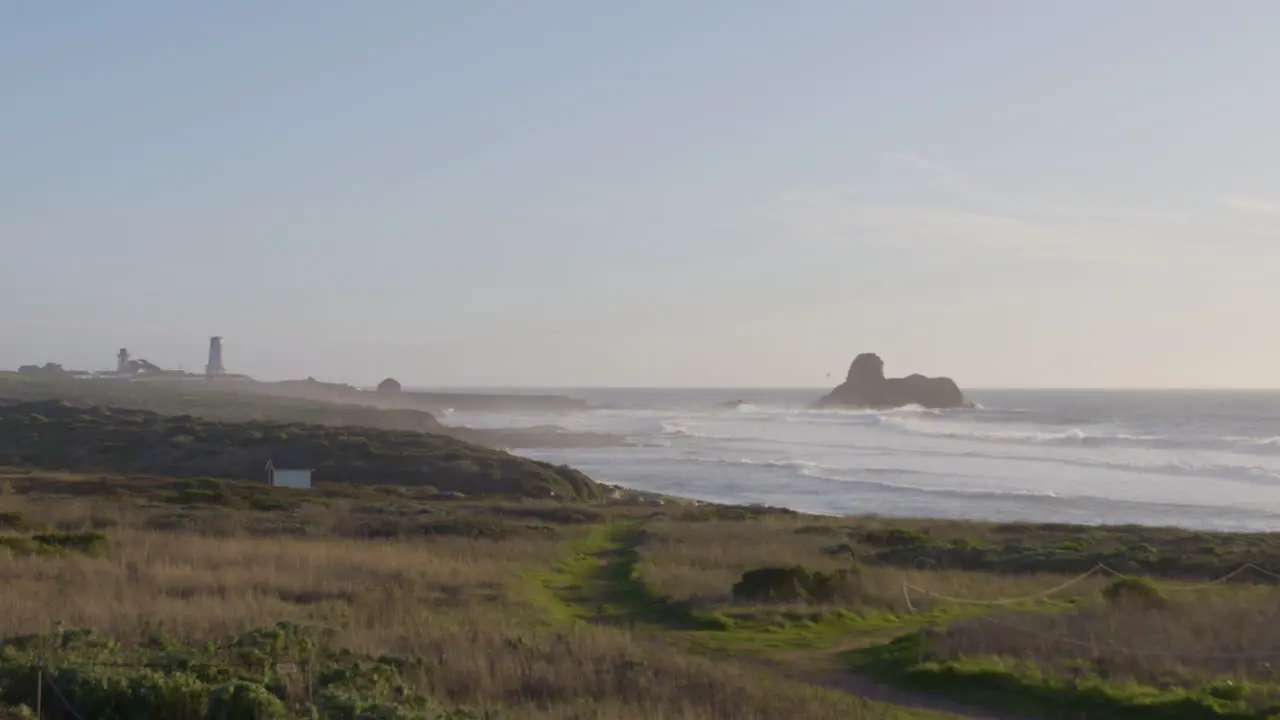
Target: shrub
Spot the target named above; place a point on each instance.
(194, 496)
(240, 699)
(795, 583)
(894, 538)
(92, 544)
(820, 530)
(841, 550)
(267, 502)
(774, 584)
(833, 586)
(16, 544)
(564, 515)
(469, 527)
(1142, 551)
(719, 512)
(1134, 592)
(12, 520)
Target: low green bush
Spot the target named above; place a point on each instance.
(93, 544)
(1134, 592)
(469, 527)
(796, 583)
(894, 538)
(12, 520)
(248, 676)
(267, 502)
(197, 496)
(1029, 690)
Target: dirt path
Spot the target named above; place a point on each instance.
(864, 687)
(602, 584)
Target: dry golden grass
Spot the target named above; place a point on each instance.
(464, 607)
(1232, 631)
(701, 562)
(202, 587)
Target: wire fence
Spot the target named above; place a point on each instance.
(62, 698)
(1096, 646)
(1098, 570)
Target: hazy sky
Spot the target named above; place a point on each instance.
(1013, 193)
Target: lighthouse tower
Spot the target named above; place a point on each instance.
(215, 357)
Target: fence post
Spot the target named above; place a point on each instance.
(311, 703)
(40, 692)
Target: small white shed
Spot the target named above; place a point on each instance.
(292, 477)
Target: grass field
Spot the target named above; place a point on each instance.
(398, 626)
(191, 599)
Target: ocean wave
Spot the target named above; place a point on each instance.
(678, 428)
(1104, 445)
(1253, 441)
(839, 414)
(829, 473)
(970, 424)
(809, 466)
(1251, 474)
(1147, 458)
(671, 427)
(976, 432)
(1239, 472)
(1097, 436)
(935, 490)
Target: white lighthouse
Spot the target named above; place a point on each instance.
(215, 357)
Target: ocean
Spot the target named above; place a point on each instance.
(1194, 459)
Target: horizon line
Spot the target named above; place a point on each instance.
(815, 388)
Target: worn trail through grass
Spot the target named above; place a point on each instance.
(598, 582)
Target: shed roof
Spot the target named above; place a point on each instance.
(289, 461)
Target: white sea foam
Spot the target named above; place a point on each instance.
(1195, 460)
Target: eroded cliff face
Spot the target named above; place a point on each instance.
(867, 387)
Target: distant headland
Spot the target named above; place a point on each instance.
(388, 395)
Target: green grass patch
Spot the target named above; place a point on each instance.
(1022, 687)
(598, 581)
(93, 544)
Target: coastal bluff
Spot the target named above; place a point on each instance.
(866, 387)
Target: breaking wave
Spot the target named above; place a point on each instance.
(1092, 457)
(1097, 436)
(874, 477)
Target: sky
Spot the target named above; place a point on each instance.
(745, 193)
